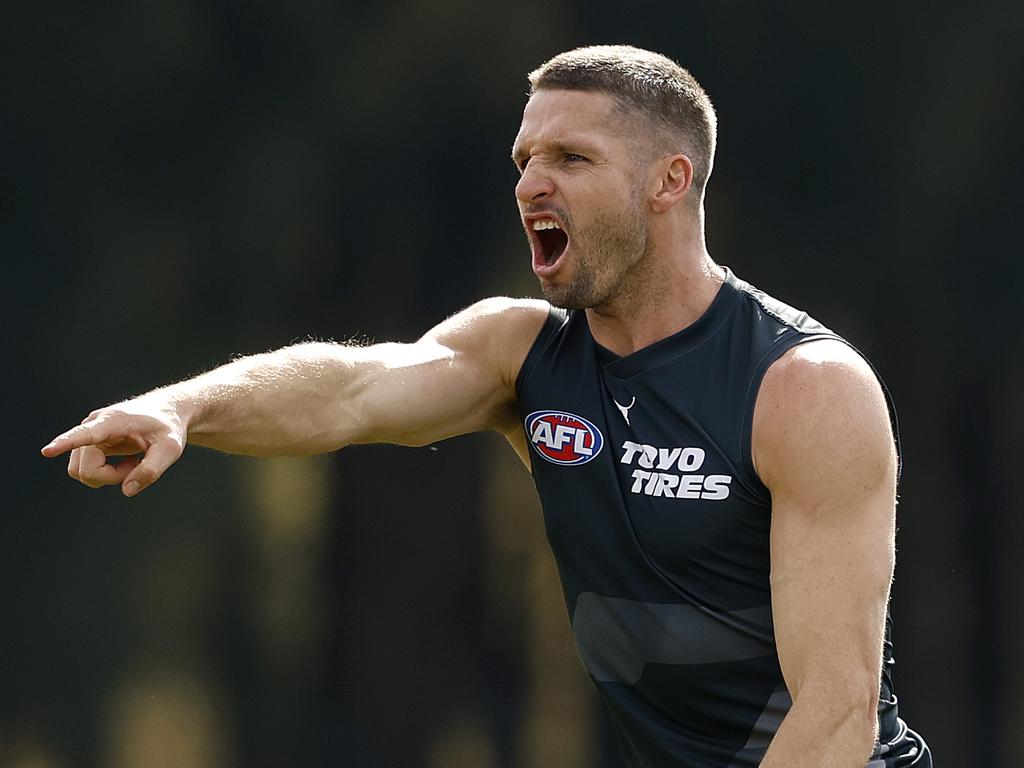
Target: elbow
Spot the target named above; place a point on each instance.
(864, 728)
(834, 720)
(855, 726)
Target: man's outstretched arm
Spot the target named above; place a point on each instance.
(317, 397)
(824, 447)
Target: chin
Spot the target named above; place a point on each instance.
(558, 296)
(571, 296)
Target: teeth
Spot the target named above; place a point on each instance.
(545, 224)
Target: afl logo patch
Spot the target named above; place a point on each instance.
(563, 438)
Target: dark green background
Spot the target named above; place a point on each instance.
(187, 181)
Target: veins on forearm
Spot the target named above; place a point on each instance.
(275, 403)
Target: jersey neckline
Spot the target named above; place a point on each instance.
(680, 342)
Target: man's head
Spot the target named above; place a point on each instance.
(660, 103)
(616, 144)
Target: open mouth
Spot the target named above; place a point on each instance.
(550, 242)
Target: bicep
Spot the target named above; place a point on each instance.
(458, 378)
(830, 583)
(824, 447)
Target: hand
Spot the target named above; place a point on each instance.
(150, 434)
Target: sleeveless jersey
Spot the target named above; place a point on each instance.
(660, 529)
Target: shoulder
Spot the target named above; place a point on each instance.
(496, 321)
(821, 412)
(500, 313)
(817, 371)
(497, 331)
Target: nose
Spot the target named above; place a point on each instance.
(534, 185)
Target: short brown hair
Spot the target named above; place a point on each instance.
(642, 82)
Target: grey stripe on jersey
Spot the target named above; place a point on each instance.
(617, 637)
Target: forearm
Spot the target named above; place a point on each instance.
(292, 401)
(829, 733)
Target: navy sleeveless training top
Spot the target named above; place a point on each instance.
(660, 526)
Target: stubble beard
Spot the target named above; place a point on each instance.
(608, 254)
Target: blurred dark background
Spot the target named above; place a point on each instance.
(187, 181)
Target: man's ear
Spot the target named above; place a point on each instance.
(674, 179)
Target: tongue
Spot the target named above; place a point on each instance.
(553, 243)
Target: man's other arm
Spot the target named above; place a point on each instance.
(823, 445)
(317, 397)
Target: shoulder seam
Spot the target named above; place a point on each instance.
(555, 320)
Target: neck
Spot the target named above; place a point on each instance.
(674, 288)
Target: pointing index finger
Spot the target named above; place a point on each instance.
(76, 437)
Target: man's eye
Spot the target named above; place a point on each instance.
(572, 157)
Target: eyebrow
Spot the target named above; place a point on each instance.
(557, 147)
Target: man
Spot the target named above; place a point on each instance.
(717, 470)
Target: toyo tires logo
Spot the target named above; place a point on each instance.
(563, 438)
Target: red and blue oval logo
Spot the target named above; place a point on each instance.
(563, 438)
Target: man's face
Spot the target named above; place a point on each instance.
(580, 196)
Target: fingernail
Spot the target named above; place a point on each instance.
(131, 488)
